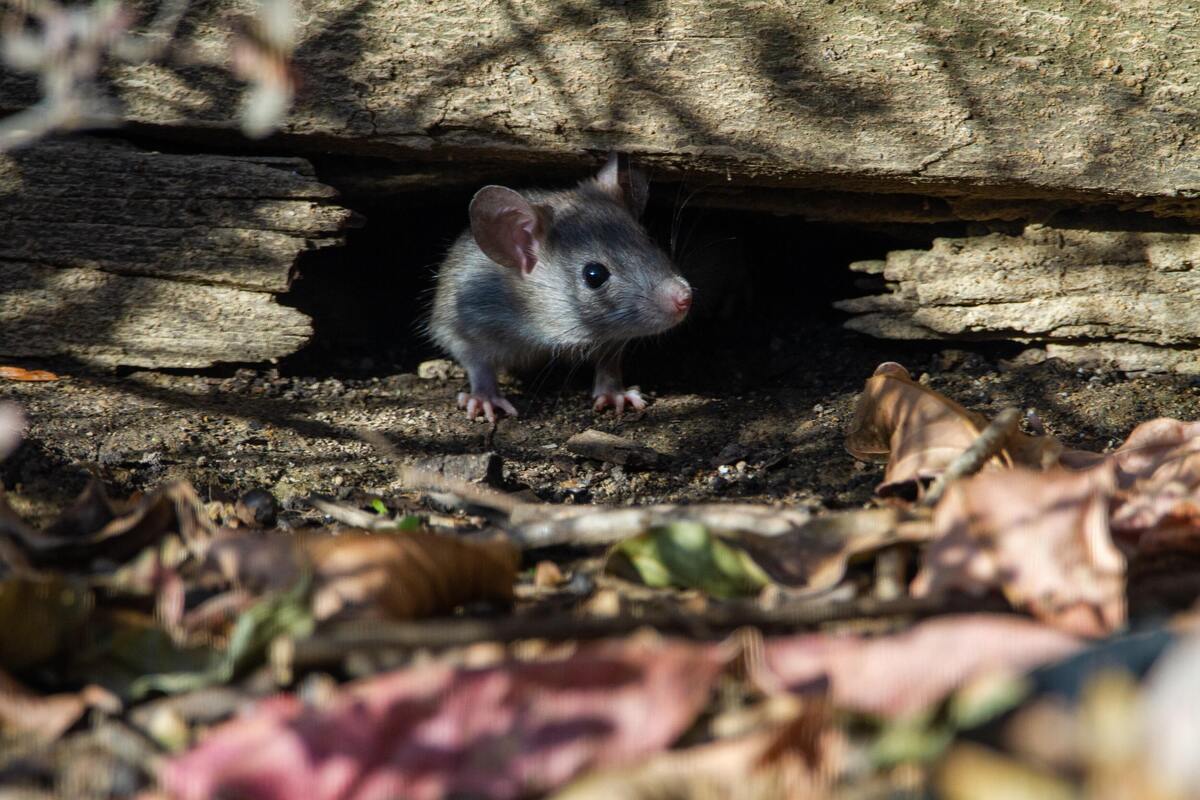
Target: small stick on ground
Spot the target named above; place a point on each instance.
(432, 481)
(330, 647)
(971, 460)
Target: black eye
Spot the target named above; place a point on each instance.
(594, 274)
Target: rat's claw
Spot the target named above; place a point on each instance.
(618, 400)
(476, 403)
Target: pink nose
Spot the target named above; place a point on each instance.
(679, 296)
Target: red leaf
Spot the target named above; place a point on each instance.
(1041, 537)
(896, 676)
(47, 717)
(434, 731)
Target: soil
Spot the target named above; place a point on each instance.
(750, 398)
(763, 426)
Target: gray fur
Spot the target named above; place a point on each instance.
(492, 317)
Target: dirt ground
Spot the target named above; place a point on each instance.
(752, 422)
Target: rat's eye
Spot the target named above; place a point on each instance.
(594, 274)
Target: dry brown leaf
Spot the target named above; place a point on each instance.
(95, 527)
(397, 575)
(1158, 472)
(30, 375)
(1041, 537)
(407, 575)
(1157, 453)
(517, 729)
(800, 758)
(813, 557)
(47, 717)
(919, 432)
(895, 676)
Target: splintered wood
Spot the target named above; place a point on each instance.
(115, 255)
(1129, 298)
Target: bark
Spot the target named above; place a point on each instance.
(120, 256)
(1071, 98)
(1128, 297)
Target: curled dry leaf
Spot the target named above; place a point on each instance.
(438, 731)
(1158, 453)
(26, 375)
(47, 717)
(1041, 537)
(407, 575)
(95, 527)
(919, 432)
(1158, 473)
(891, 676)
(801, 758)
(401, 575)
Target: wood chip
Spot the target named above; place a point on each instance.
(616, 450)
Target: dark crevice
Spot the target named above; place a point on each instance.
(779, 278)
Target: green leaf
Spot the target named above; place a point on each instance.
(910, 741)
(987, 697)
(283, 614)
(688, 555)
(409, 522)
(378, 507)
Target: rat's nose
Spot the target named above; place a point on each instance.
(679, 295)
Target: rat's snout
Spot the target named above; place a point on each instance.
(677, 296)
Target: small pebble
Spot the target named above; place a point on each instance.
(547, 575)
(257, 508)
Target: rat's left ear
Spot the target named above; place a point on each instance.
(628, 184)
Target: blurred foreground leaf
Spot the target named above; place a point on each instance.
(285, 614)
(517, 729)
(688, 555)
(40, 618)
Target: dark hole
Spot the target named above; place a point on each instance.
(756, 317)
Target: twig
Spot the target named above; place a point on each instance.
(349, 515)
(971, 460)
(429, 480)
(604, 525)
(332, 645)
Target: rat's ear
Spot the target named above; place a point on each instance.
(625, 182)
(507, 228)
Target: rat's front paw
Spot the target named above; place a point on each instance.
(485, 403)
(618, 400)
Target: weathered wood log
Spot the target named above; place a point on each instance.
(1072, 99)
(120, 256)
(1128, 297)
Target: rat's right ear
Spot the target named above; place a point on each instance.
(626, 183)
(507, 228)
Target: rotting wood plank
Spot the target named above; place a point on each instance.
(119, 320)
(1070, 98)
(116, 255)
(1088, 295)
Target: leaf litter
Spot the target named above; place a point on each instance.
(491, 665)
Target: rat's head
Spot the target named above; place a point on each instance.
(594, 272)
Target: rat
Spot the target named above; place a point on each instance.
(544, 273)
